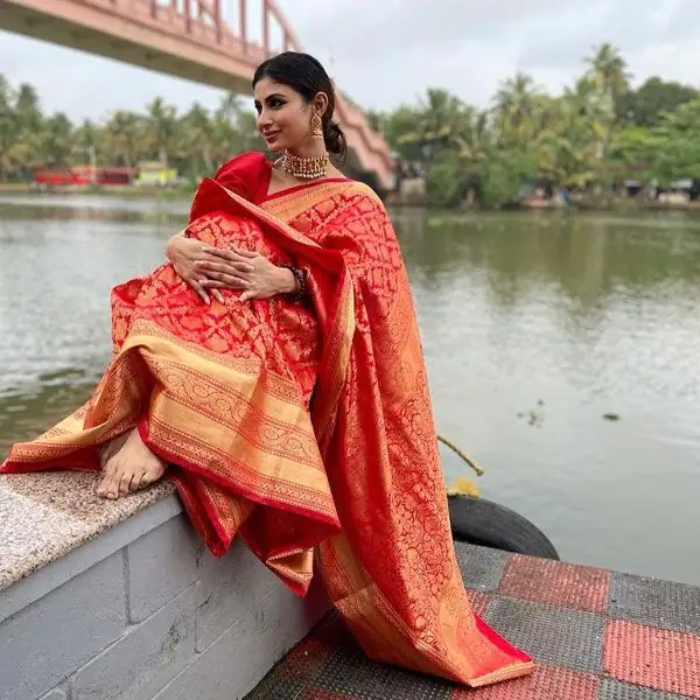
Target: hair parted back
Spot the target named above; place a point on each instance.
(305, 74)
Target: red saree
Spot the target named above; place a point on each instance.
(303, 430)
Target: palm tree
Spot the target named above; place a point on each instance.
(234, 129)
(515, 110)
(564, 147)
(160, 128)
(8, 126)
(123, 138)
(56, 140)
(434, 124)
(27, 107)
(197, 140)
(23, 127)
(473, 141)
(607, 74)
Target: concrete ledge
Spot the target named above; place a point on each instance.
(139, 610)
(46, 515)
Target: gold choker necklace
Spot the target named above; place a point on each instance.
(306, 167)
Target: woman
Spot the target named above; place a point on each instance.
(283, 385)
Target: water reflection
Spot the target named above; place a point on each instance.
(564, 318)
(587, 257)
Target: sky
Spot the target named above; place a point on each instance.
(387, 52)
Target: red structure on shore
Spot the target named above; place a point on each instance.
(83, 176)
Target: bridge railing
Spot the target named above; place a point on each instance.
(203, 20)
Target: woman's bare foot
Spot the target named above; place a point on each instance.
(111, 448)
(128, 465)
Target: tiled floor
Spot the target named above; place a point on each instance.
(596, 635)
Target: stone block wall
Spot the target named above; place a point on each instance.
(148, 614)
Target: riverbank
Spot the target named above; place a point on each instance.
(181, 193)
(184, 193)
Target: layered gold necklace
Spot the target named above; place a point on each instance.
(306, 167)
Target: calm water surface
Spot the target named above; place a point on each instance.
(534, 327)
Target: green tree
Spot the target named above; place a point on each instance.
(160, 129)
(517, 111)
(8, 127)
(197, 141)
(233, 129)
(609, 79)
(56, 144)
(123, 139)
(597, 131)
(646, 105)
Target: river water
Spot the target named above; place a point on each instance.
(535, 327)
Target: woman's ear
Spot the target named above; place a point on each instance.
(320, 104)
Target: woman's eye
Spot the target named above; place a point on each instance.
(276, 104)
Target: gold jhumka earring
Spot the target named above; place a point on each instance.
(316, 127)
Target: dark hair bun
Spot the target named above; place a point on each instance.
(334, 139)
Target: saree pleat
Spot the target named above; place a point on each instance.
(307, 431)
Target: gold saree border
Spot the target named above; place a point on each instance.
(287, 207)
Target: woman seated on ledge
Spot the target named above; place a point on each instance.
(273, 370)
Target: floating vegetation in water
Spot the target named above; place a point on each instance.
(535, 415)
(462, 486)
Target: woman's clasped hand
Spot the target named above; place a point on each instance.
(210, 270)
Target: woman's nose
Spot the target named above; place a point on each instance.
(264, 120)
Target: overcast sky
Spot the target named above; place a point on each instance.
(385, 52)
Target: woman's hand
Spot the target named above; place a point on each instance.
(242, 269)
(185, 254)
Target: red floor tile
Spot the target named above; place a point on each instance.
(545, 683)
(659, 659)
(556, 583)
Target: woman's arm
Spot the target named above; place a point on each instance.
(240, 174)
(209, 270)
(253, 273)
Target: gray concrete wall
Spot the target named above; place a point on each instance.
(145, 612)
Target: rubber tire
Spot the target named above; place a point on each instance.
(488, 524)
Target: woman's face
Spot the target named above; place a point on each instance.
(284, 118)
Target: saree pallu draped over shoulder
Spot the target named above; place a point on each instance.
(303, 429)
